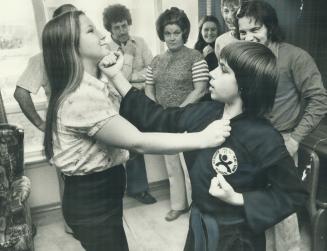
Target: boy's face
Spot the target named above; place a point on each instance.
(227, 11)
(251, 30)
(223, 83)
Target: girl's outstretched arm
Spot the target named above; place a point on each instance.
(118, 132)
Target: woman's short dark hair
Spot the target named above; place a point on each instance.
(173, 16)
(200, 43)
(262, 13)
(256, 73)
(114, 14)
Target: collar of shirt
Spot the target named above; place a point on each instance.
(238, 117)
(93, 81)
(233, 119)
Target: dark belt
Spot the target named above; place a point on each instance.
(202, 225)
(205, 228)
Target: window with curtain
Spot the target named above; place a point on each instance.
(19, 41)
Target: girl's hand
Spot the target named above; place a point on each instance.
(222, 190)
(215, 133)
(207, 50)
(111, 64)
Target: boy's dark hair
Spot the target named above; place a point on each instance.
(62, 9)
(173, 16)
(262, 13)
(114, 14)
(256, 73)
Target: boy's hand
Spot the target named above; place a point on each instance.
(222, 190)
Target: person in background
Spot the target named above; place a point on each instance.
(301, 99)
(228, 9)
(137, 56)
(176, 78)
(32, 79)
(247, 184)
(209, 30)
(88, 140)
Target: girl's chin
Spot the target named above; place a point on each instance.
(214, 97)
(230, 26)
(106, 52)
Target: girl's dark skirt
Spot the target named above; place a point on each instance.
(93, 207)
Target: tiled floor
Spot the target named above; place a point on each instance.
(145, 228)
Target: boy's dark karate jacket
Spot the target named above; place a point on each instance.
(253, 159)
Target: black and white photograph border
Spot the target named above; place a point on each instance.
(145, 213)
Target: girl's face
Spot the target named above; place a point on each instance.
(228, 15)
(223, 84)
(253, 31)
(173, 37)
(92, 44)
(209, 32)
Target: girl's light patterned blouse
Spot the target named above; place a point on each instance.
(82, 114)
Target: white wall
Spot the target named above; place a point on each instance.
(45, 188)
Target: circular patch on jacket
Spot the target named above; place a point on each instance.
(224, 161)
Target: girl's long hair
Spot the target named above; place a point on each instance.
(200, 43)
(60, 42)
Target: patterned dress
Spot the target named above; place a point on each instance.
(174, 73)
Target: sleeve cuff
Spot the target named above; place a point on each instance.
(94, 129)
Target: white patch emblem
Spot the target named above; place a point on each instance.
(224, 161)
